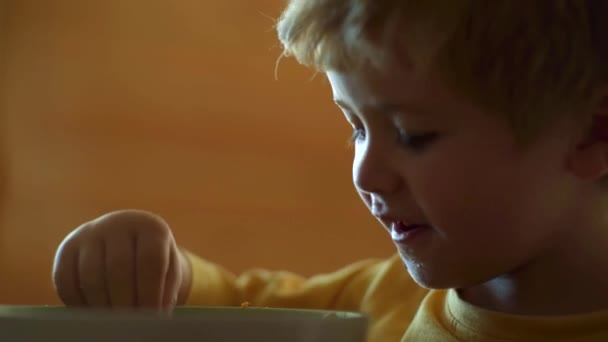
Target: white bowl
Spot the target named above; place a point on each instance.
(209, 324)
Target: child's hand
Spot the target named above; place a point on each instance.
(126, 259)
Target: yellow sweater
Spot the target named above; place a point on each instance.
(398, 308)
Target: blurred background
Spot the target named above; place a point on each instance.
(170, 106)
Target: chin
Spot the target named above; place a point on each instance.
(431, 284)
(434, 279)
(425, 277)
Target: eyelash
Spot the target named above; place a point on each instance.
(416, 142)
(358, 133)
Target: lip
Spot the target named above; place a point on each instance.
(389, 220)
(401, 233)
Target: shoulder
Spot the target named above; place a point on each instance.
(392, 299)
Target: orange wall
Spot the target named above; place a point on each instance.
(170, 106)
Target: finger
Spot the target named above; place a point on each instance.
(120, 272)
(91, 273)
(65, 275)
(172, 280)
(152, 255)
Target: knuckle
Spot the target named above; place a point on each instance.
(133, 222)
(61, 257)
(156, 227)
(65, 256)
(73, 240)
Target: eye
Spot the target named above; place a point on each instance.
(418, 141)
(358, 134)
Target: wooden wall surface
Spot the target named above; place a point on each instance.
(170, 106)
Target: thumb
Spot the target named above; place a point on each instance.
(173, 281)
(186, 277)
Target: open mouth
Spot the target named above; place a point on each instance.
(401, 231)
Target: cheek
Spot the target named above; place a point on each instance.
(356, 166)
(464, 193)
(356, 172)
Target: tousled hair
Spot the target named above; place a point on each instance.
(529, 61)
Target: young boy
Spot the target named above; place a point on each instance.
(481, 145)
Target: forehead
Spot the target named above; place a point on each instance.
(401, 85)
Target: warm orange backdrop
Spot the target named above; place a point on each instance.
(170, 106)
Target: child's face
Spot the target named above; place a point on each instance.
(425, 155)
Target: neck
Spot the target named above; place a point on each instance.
(570, 278)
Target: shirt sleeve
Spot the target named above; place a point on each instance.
(380, 288)
(212, 285)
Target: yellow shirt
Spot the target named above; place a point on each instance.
(399, 310)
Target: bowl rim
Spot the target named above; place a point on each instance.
(181, 313)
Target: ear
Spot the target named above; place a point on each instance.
(589, 159)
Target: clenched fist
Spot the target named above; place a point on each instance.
(122, 260)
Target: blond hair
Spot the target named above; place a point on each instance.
(529, 60)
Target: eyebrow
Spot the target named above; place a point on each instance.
(387, 108)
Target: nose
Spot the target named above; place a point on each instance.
(375, 170)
